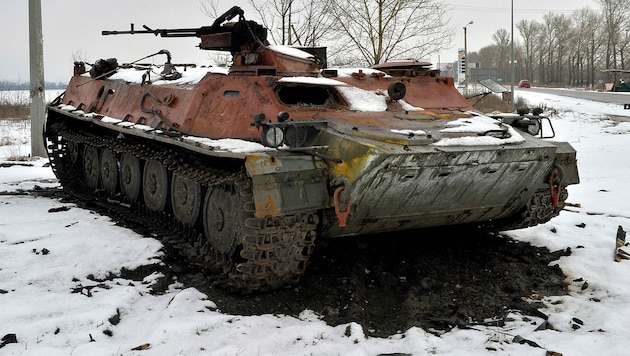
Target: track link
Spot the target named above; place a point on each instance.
(539, 210)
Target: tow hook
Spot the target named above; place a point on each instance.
(341, 198)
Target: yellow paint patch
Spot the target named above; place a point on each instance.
(353, 166)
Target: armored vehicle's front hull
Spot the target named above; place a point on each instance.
(446, 186)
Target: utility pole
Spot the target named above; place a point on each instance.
(36, 56)
(512, 62)
(466, 53)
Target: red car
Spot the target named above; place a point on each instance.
(524, 84)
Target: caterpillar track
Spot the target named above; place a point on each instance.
(252, 255)
(539, 210)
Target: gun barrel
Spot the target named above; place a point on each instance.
(106, 33)
(185, 32)
(221, 35)
(178, 32)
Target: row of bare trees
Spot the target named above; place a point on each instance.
(564, 49)
(559, 49)
(363, 32)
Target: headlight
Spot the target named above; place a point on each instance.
(272, 136)
(533, 127)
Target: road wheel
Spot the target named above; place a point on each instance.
(185, 199)
(220, 218)
(91, 167)
(155, 185)
(73, 152)
(130, 176)
(109, 171)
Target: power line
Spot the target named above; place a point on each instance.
(464, 8)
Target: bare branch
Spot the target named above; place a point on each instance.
(385, 29)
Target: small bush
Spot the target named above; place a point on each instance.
(491, 103)
(8, 111)
(14, 104)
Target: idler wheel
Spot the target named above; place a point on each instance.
(109, 171)
(155, 185)
(220, 218)
(130, 176)
(185, 199)
(91, 167)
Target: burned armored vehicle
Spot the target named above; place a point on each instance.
(262, 159)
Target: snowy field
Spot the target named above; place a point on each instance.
(49, 261)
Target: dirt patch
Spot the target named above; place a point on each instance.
(433, 279)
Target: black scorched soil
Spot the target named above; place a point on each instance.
(433, 279)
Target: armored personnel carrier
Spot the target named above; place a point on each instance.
(262, 159)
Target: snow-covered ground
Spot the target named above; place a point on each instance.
(50, 259)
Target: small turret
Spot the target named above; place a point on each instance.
(246, 40)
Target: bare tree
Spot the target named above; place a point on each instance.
(313, 25)
(501, 39)
(276, 17)
(380, 30)
(487, 56)
(292, 22)
(615, 12)
(564, 30)
(358, 32)
(567, 49)
(548, 41)
(585, 46)
(210, 8)
(528, 30)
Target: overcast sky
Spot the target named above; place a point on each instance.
(72, 29)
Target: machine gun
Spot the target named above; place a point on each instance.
(220, 36)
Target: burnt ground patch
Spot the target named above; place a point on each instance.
(434, 279)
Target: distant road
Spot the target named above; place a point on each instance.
(603, 97)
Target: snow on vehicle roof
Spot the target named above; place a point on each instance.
(291, 51)
(408, 132)
(405, 63)
(364, 100)
(229, 144)
(189, 75)
(515, 138)
(478, 124)
(408, 107)
(347, 72)
(312, 81)
(474, 124)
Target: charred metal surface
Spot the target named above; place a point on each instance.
(287, 184)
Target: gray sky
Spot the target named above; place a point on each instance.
(72, 29)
